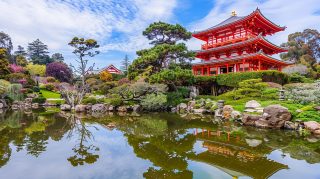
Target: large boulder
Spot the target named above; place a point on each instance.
(110, 108)
(65, 107)
(32, 95)
(28, 100)
(276, 115)
(182, 107)
(252, 104)
(1, 106)
(235, 115)
(199, 111)
(136, 108)
(290, 125)
(312, 126)
(249, 120)
(98, 108)
(80, 108)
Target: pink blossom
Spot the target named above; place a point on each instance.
(16, 68)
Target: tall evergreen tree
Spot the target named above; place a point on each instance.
(57, 57)
(38, 51)
(125, 64)
(5, 42)
(20, 51)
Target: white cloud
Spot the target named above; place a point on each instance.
(55, 22)
(295, 15)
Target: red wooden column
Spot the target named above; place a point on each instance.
(243, 62)
(217, 68)
(259, 64)
(202, 71)
(227, 67)
(208, 70)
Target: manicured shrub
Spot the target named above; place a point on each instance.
(49, 87)
(176, 76)
(36, 89)
(39, 100)
(303, 93)
(154, 102)
(14, 92)
(4, 87)
(248, 88)
(114, 99)
(16, 68)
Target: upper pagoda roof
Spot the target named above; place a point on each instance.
(258, 39)
(233, 20)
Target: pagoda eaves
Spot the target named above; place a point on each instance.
(255, 21)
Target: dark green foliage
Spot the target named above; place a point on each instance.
(92, 100)
(177, 97)
(36, 89)
(125, 65)
(105, 87)
(114, 99)
(6, 43)
(176, 77)
(160, 33)
(297, 78)
(39, 100)
(38, 52)
(57, 57)
(117, 77)
(232, 79)
(154, 102)
(153, 60)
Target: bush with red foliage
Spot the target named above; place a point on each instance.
(60, 71)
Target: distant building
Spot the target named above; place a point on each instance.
(111, 69)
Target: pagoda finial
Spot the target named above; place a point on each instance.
(233, 13)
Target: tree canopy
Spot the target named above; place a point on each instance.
(38, 52)
(57, 57)
(165, 51)
(4, 63)
(304, 48)
(5, 42)
(60, 71)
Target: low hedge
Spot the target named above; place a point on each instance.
(233, 79)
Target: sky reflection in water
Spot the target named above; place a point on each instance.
(63, 145)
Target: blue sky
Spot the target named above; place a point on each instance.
(118, 25)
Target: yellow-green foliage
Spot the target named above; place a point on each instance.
(4, 86)
(35, 69)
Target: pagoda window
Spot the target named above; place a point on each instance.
(204, 71)
(213, 71)
(198, 72)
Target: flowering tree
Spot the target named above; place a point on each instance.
(35, 69)
(16, 68)
(59, 71)
(105, 76)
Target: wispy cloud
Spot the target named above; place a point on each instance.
(56, 21)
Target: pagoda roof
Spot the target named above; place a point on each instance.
(259, 54)
(233, 20)
(258, 39)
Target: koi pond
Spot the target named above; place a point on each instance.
(55, 144)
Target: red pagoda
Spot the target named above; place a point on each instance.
(238, 44)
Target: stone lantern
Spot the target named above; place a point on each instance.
(281, 95)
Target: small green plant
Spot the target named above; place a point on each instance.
(154, 102)
(49, 87)
(36, 89)
(39, 100)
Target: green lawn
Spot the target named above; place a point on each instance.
(49, 94)
(52, 97)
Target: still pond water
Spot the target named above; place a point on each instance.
(63, 145)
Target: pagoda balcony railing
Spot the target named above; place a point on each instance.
(230, 41)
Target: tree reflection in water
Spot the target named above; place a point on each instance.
(84, 152)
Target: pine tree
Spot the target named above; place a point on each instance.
(125, 65)
(57, 57)
(20, 51)
(38, 51)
